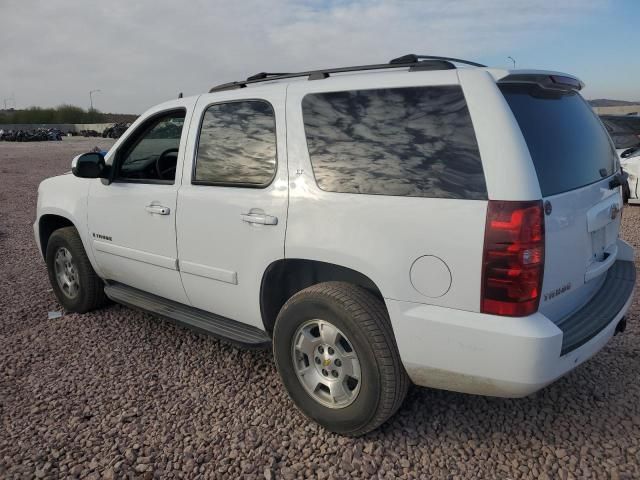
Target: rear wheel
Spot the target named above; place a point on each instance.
(75, 283)
(336, 354)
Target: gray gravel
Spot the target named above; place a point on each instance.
(117, 393)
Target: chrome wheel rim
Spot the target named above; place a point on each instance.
(66, 273)
(326, 363)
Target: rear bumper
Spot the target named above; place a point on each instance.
(500, 356)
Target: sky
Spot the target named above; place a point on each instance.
(140, 53)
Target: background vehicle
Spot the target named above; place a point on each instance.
(625, 133)
(35, 135)
(116, 130)
(375, 225)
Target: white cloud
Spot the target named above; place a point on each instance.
(145, 51)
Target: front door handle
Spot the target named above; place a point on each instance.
(259, 218)
(157, 209)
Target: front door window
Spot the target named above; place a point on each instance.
(151, 155)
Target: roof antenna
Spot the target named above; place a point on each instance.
(180, 95)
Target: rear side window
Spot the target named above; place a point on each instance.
(237, 145)
(416, 142)
(568, 145)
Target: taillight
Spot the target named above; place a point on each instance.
(513, 260)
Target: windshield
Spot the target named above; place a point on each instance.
(622, 135)
(568, 144)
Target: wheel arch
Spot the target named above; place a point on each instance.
(49, 223)
(284, 278)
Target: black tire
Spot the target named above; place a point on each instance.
(363, 319)
(90, 294)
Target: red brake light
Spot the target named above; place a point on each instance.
(513, 260)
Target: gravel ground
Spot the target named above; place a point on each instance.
(117, 393)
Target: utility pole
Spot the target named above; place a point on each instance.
(513, 60)
(6, 100)
(91, 92)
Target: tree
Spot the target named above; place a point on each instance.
(60, 114)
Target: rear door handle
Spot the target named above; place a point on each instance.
(158, 209)
(259, 218)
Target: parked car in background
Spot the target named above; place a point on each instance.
(33, 135)
(116, 130)
(623, 129)
(429, 220)
(89, 133)
(625, 133)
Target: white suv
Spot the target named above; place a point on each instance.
(378, 225)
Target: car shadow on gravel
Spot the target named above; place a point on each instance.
(586, 400)
(595, 388)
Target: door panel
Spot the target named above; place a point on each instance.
(228, 235)
(141, 251)
(132, 220)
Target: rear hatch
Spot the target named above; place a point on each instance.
(574, 160)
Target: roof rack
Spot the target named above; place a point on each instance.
(413, 58)
(265, 75)
(414, 62)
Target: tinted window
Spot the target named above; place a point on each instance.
(237, 144)
(152, 152)
(404, 141)
(568, 144)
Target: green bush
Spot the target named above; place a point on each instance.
(60, 114)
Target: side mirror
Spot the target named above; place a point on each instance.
(88, 165)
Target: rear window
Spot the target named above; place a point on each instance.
(237, 145)
(568, 145)
(416, 142)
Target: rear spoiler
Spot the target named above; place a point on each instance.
(547, 80)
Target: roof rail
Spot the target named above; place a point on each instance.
(413, 58)
(265, 75)
(414, 62)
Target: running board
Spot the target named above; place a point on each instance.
(194, 318)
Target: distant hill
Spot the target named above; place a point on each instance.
(605, 102)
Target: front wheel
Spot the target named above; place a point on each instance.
(336, 353)
(75, 283)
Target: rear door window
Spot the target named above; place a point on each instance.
(416, 142)
(237, 145)
(568, 144)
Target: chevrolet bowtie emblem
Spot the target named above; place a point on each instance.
(326, 362)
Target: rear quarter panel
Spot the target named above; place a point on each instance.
(381, 236)
(508, 169)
